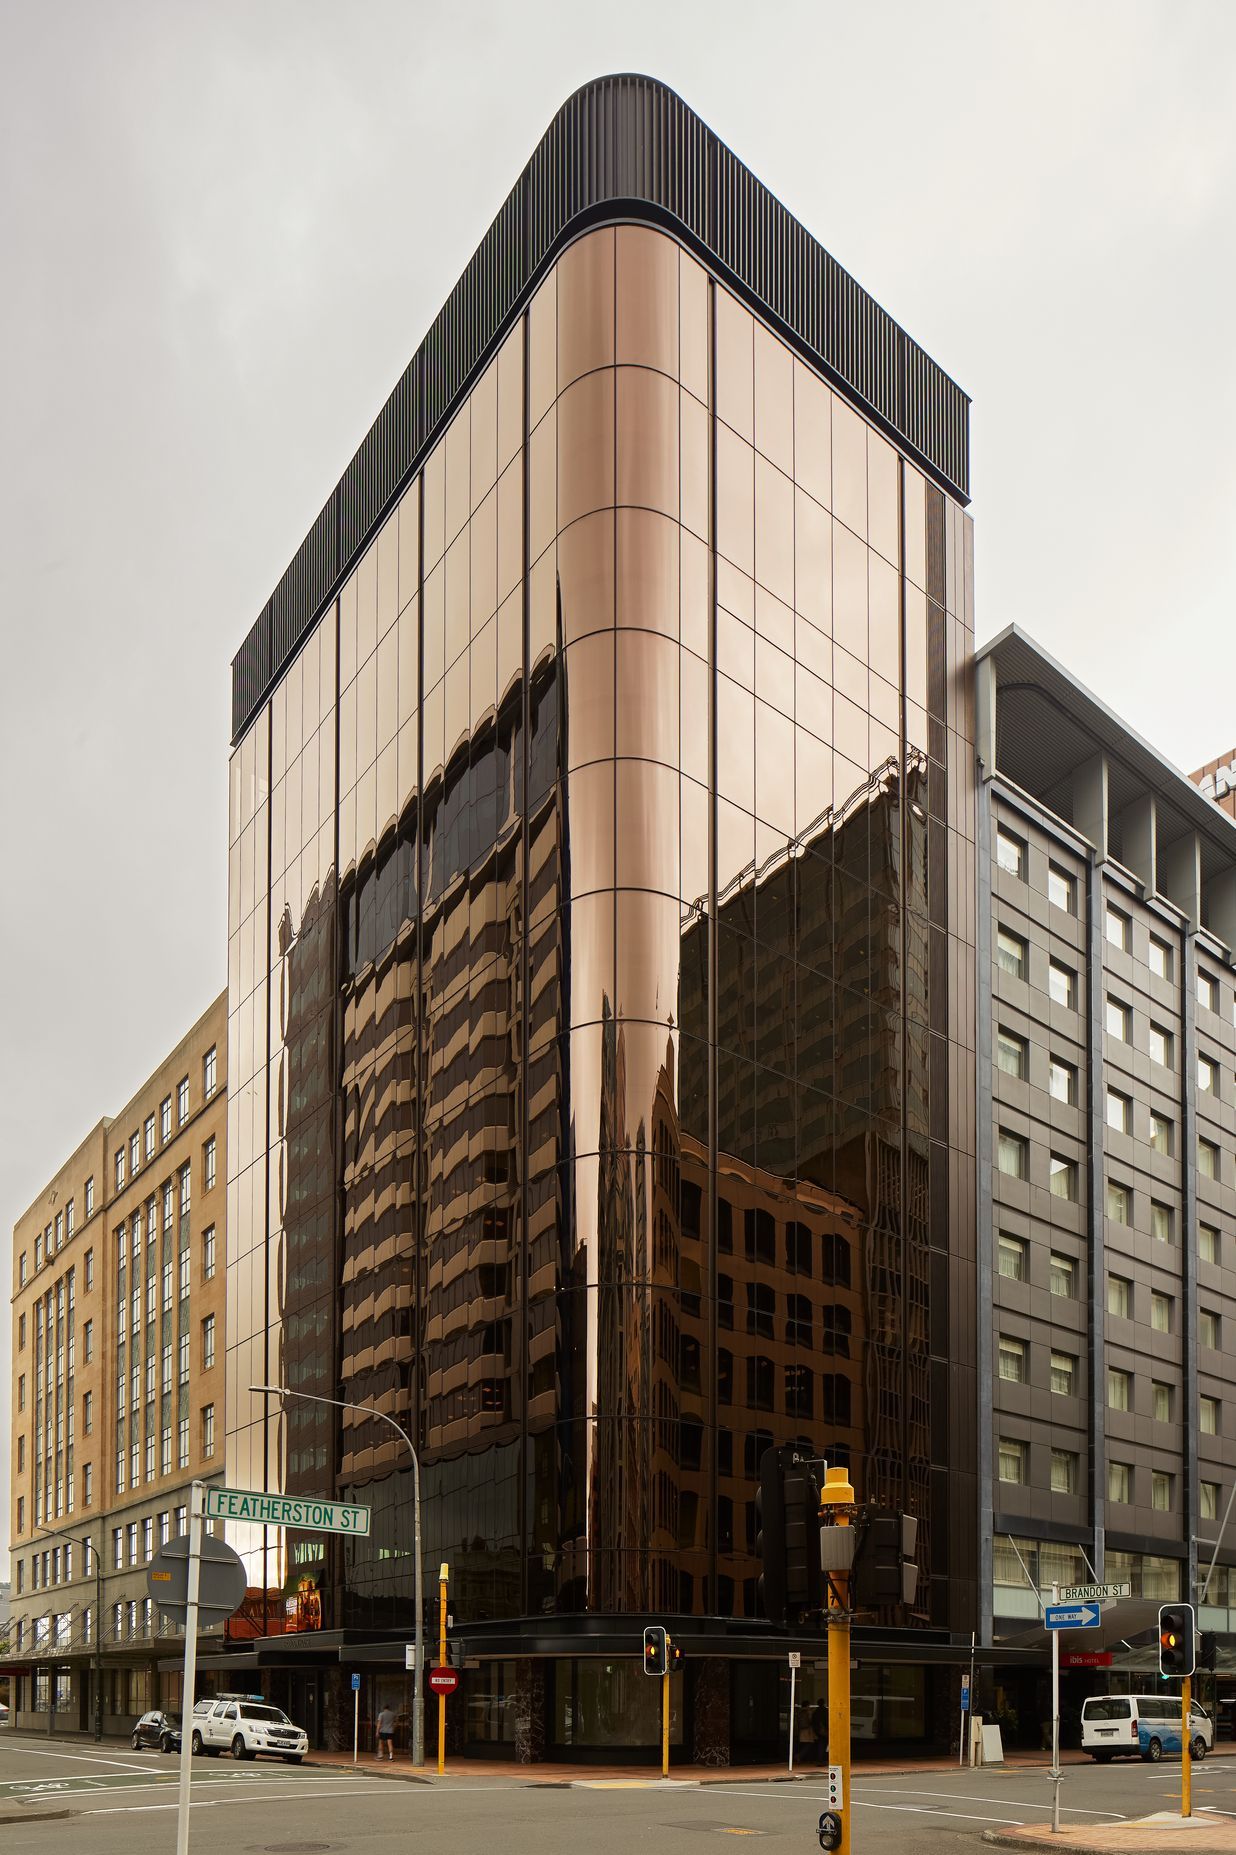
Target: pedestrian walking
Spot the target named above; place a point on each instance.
(386, 1732)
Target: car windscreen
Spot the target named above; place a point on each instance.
(1106, 1707)
(265, 1713)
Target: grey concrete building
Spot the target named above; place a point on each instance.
(1107, 1159)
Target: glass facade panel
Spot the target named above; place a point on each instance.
(592, 1023)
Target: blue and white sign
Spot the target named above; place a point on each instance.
(965, 1697)
(355, 1683)
(1071, 1616)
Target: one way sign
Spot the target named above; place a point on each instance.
(1071, 1616)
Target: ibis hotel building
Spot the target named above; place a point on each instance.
(601, 974)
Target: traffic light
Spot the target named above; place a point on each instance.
(1208, 1650)
(656, 1650)
(1176, 1640)
(787, 1534)
(675, 1658)
(885, 1571)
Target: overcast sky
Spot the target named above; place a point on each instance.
(224, 229)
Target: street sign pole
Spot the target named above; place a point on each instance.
(355, 1717)
(795, 1658)
(1055, 1721)
(188, 1694)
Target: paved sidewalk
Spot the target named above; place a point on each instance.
(1147, 1835)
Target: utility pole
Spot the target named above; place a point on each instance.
(444, 1572)
(837, 1508)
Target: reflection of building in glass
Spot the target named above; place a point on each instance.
(617, 768)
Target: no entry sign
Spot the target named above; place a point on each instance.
(443, 1680)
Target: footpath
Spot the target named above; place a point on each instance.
(1147, 1835)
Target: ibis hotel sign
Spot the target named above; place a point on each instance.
(287, 1510)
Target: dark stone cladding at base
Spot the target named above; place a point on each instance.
(623, 147)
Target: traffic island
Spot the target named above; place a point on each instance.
(1140, 1835)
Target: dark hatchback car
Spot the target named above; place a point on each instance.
(157, 1729)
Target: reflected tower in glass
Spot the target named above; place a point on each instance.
(601, 965)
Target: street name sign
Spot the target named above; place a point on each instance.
(1071, 1616)
(1093, 1593)
(311, 1512)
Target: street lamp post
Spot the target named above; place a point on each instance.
(418, 1670)
(86, 1546)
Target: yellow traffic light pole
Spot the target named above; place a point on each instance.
(836, 1503)
(665, 1712)
(444, 1572)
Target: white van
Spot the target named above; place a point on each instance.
(1141, 1726)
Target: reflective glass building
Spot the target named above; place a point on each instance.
(601, 976)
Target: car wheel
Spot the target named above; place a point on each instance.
(136, 1742)
(195, 1745)
(1198, 1747)
(292, 1758)
(165, 1743)
(1102, 1758)
(1154, 1751)
(238, 1747)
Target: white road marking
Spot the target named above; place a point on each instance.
(222, 1803)
(915, 1809)
(92, 1758)
(1016, 1803)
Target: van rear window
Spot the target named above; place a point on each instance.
(1106, 1707)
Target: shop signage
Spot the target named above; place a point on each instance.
(1086, 1658)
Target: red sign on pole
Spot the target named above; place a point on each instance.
(1086, 1658)
(443, 1680)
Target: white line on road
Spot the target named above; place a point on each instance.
(916, 1809)
(1016, 1803)
(92, 1758)
(222, 1803)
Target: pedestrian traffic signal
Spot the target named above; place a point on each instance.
(1208, 1650)
(656, 1650)
(1176, 1641)
(675, 1657)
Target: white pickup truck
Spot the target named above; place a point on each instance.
(245, 1725)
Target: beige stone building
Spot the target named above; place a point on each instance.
(117, 1349)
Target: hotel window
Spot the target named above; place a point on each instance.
(1160, 1133)
(1014, 1460)
(1013, 1155)
(1160, 1312)
(1119, 1296)
(88, 1412)
(1118, 1019)
(68, 1220)
(1161, 1485)
(1062, 1276)
(185, 1271)
(88, 1339)
(1061, 889)
(135, 1153)
(1063, 1471)
(165, 1527)
(90, 1196)
(1207, 1158)
(169, 1205)
(165, 1450)
(1010, 852)
(148, 1136)
(1062, 1177)
(1162, 1222)
(87, 1484)
(1160, 1046)
(1062, 983)
(1161, 1401)
(208, 1073)
(1011, 953)
(1120, 1482)
(1119, 1112)
(165, 1119)
(1208, 1243)
(208, 1430)
(1208, 1329)
(185, 1189)
(1063, 1374)
(147, 1539)
(1207, 990)
(1119, 1203)
(1062, 1081)
(21, 1333)
(89, 1270)
(182, 1101)
(1119, 1389)
(182, 1443)
(209, 1160)
(21, 1391)
(1118, 928)
(38, 1250)
(21, 1268)
(119, 1168)
(183, 1361)
(1207, 1076)
(1160, 958)
(132, 1542)
(208, 1342)
(1012, 1053)
(1012, 1258)
(1012, 1360)
(1208, 1500)
(208, 1253)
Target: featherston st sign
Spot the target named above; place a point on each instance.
(282, 1510)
